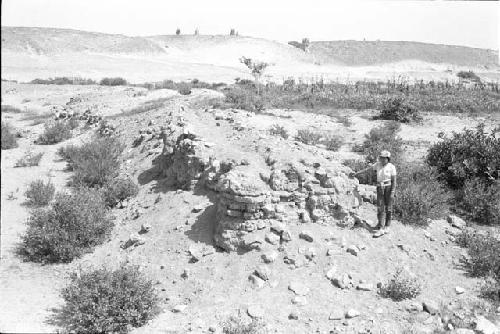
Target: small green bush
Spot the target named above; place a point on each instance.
(9, 139)
(113, 82)
(399, 110)
(381, 138)
(119, 189)
(356, 165)
(401, 286)
(278, 130)
(236, 325)
(73, 225)
(333, 142)
(40, 193)
(483, 250)
(30, 159)
(55, 132)
(184, 90)
(466, 155)
(469, 75)
(244, 98)
(108, 301)
(420, 195)
(308, 137)
(480, 201)
(95, 163)
(66, 152)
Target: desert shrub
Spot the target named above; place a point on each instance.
(119, 189)
(73, 123)
(55, 132)
(420, 194)
(468, 75)
(236, 325)
(40, 193)
(29, 159)
(466, 155)
(244, 98)
(66, 152)
(401, 286)
(184, 89)
(96, 162)
(308, 137)
(483, 250)
(73, 224)
(113, 82)
(9, 139)
(10, 109)
(480, 201)
(64, 81)
(400, 110)
(356, 165)
(384, 137)
(108, 301)
(333, 142)
(278, 130)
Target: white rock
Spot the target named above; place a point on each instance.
(459, 290)
(306, 235)
(255, 311)
(352, 313)
(484, 326)
(456, 221)
(298, 288)
(270, 256)
(179, 308)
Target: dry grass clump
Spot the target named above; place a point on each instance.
(55, 132)
(401, 286)
(308, 137)
(9, 139)
(40, 193)
(29, 159)
(278, 130)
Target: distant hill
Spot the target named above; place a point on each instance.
(361, 53)
(29, 53)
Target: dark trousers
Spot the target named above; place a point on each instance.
(384, 205)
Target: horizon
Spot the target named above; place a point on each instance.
(248, 36)
(431, 22)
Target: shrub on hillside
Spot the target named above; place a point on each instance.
(66, 152)
(119, 189)
(356, 165)
(96, 162)
(308, 137)
(399, 110)
(483, 250)
(466, 155)
(64, 81)
(278, 130)
(29, 159)
(40, 193)
(73, 224)
(480, 201)
(333, 142)
(55, 132)
(244, 98)
(469, 75)
(384, 137)
(9, 139)
(401, 286)
(235, 325)
(108, 301)
(113, 82)
(420, 195)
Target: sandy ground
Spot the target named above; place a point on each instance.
(218, 286)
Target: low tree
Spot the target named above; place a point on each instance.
(196, 32)
(305, 44)
(178, 31)
(257, 68)
(232, 32)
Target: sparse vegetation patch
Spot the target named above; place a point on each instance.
(55, 132)
(9, 139)
(30, 159)
(401, 286)
(40, 193)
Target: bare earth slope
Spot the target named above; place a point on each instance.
(30, 53)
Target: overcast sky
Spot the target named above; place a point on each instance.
(473, 24)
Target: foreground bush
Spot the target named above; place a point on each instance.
(235, 325)
(483, 250)
(357, 165)
(29, 159)
(384, 137)
(9, 139)
(244, 97)
(74, 224)
(400, 110)
(40, 193)
(333, 142)
(420, 195)
(401, 286)
(278, 130)
(55, 132)
(113, 82)
(119, 189)
(467, 155)
(108, 301)
(308, 137)
(95, 163)
(480, 201)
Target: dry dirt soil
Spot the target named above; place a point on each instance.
(217, 286)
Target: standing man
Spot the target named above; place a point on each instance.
(386, 189)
